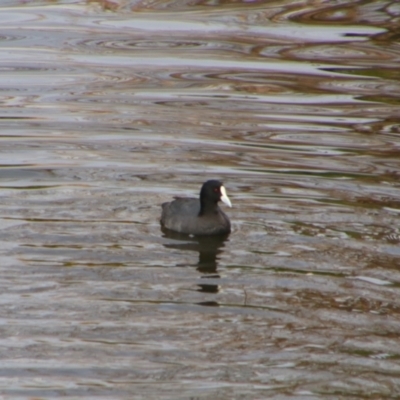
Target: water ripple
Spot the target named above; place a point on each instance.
(111, 108)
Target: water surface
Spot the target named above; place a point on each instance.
(110, 108)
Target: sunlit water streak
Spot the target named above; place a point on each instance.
(109, 109)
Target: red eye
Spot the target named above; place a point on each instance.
(216, 190)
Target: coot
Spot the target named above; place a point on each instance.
(198, 216)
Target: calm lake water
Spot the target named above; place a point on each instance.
(111, 107)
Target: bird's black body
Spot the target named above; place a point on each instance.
(198, 216)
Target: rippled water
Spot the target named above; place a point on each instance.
(109, 108)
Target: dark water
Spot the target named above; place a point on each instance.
(109, 108)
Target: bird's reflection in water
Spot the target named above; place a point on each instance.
(208, 247)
